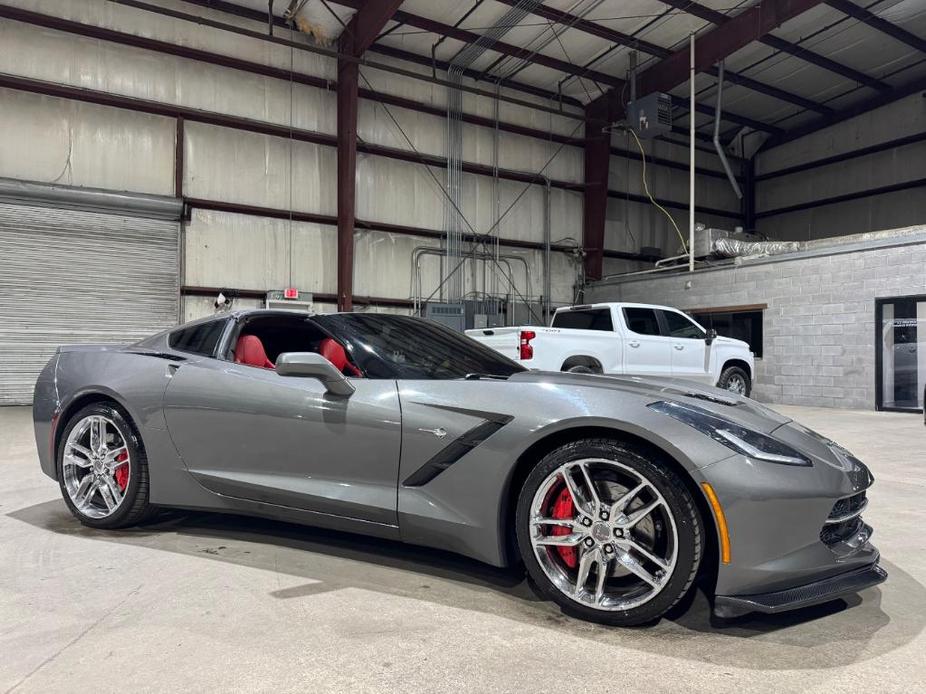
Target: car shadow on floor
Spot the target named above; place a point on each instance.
(824, 636)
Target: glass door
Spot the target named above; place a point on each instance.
(901, 352)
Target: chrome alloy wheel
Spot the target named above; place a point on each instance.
(736, 384)
(603, 534)
(96, 466)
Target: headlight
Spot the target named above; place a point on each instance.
(735, 437)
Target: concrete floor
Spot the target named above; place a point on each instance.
(200, 602)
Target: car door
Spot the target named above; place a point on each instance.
(647, 352)
(250, 433)
(690, 353)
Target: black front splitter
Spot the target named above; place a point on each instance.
(824, 590)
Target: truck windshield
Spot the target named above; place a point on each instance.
(585, 319)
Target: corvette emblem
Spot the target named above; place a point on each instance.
(439, 432)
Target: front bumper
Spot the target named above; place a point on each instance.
(796, 533)
(824, 590)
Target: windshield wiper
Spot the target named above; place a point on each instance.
(476, 376)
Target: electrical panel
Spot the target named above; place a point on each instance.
(451, 315)
(651, 115)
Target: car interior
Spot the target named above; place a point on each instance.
(262, 339)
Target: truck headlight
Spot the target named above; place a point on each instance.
(735, 437)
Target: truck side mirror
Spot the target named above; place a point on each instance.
(709, 337)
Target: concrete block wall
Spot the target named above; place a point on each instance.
(819, 329)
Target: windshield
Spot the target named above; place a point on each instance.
(387, 346)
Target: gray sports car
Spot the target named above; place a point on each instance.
(615, 493)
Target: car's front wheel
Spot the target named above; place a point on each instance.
(102, 468)
(608, 533)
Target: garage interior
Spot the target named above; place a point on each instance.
(760, 165)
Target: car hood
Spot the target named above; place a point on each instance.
(722, 403)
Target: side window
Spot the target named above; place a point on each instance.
(596, 319)
(198, 339)
(641, 321)
(680, 326)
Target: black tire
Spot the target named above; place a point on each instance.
(732, 375)
(690, 529)
(580, 369)
(134, 507)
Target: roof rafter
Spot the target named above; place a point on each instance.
(257, 15)
(770, 9)
(632, 42)
(858, 109)
(503, 47)
(875, 22)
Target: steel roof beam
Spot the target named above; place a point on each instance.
(771, 14)
(875, 22)
(502, 47)
(634, 43)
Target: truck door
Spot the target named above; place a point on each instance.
(647, 352)
(689, 351)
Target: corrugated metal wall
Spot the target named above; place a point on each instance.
(70, 276)
(863, 213)
(46, 139)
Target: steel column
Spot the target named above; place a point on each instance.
(597, 159)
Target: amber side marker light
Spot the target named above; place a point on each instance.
(721, 522)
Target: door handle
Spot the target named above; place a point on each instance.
(679, 347)
(634, 344)
(172, 369)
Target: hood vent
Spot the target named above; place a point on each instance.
(711, 398)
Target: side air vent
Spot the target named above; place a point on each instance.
(450, 454)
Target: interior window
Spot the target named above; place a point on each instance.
(741, 325)
(642, 321)
(201, 338)
(680, 326)
(594, 319)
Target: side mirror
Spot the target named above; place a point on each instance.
(711, 335)
(312, 365)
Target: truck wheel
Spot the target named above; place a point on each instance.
(734, 379)
(580, 369)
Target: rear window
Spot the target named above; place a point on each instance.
(591, 319)
(642, 321)
(198, 339)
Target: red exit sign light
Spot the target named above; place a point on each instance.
(290, 293)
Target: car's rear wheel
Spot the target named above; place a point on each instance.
(102, 468)
(608, 533)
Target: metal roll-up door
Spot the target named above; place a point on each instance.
(74, 276)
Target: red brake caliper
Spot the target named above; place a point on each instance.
(121, 473)
(563, 508)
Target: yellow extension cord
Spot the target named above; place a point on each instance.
(650, 196)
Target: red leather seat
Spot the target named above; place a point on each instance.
(249, 350)
(333, 351)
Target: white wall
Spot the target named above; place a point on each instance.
(870, 213)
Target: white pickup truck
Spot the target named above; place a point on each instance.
(622, 338)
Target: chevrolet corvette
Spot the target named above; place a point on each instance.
(614, 493)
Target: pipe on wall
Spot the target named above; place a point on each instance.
(718, 112)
